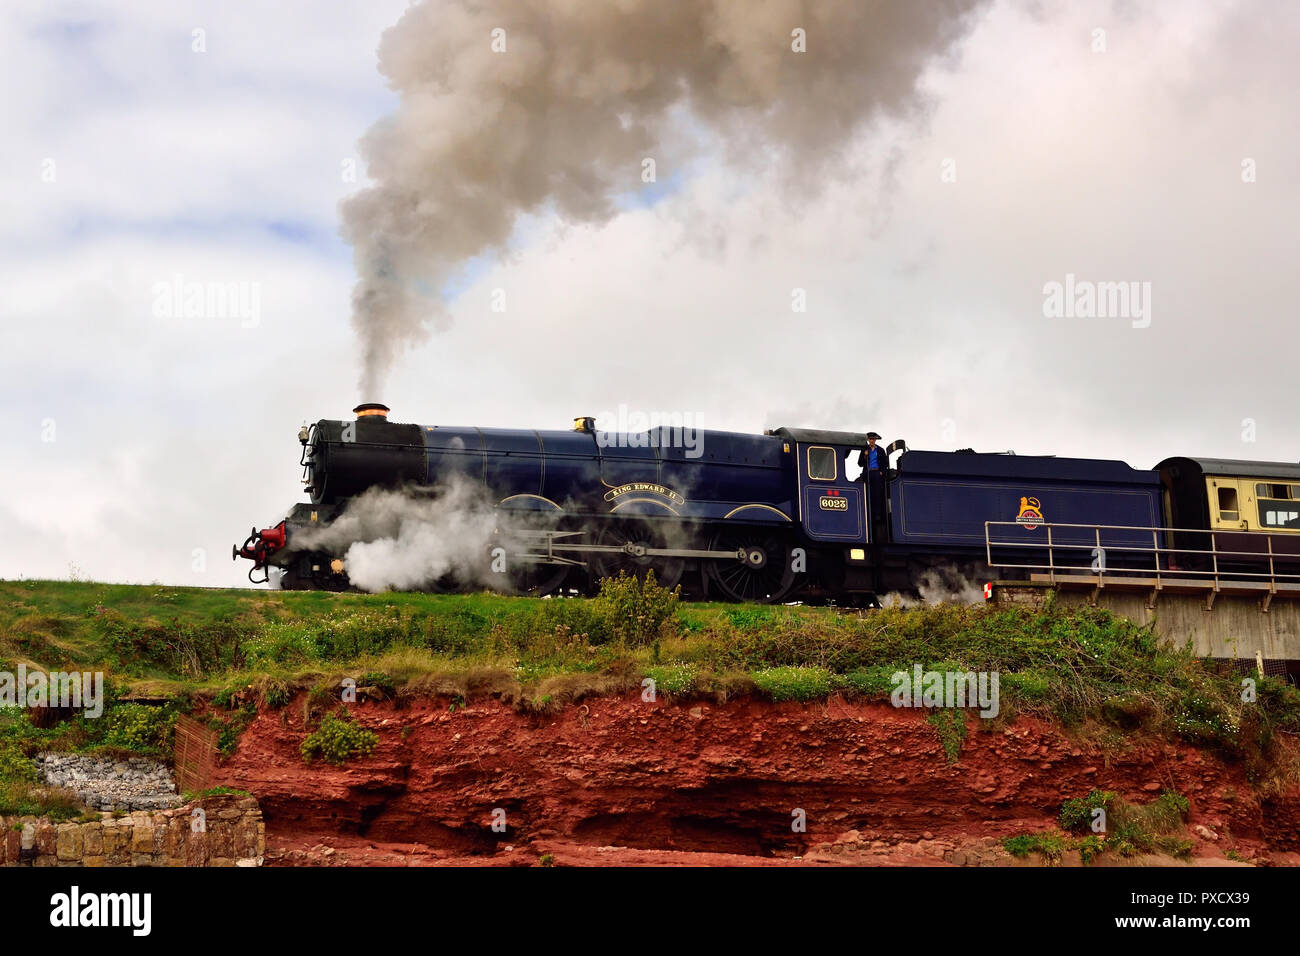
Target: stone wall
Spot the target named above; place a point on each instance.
(227, 831)
(101, 783)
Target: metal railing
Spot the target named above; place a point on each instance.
(1165, 559)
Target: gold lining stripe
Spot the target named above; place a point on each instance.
(538, 497)
(747, 507)
(649, 501)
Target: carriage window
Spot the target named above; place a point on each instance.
(821, 463)
(1276, 514)
(1228, 504)
(1279, 506)
(1277, 492)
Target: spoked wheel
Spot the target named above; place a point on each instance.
(765, 576)
(521, 575)
(607, 564)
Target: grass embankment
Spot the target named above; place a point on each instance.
(244, 649)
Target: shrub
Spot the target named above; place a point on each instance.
(139, 728)
(1091, 847)
(635, 610)
(794, 683)
(339, 739)
(1028, 685)
(1204, 720)
(179, 647)
(15, 766)
(230, 729)
(1076, 814)
(1174, 846)
(1130, 828)
(1128, 711)
(275, 693)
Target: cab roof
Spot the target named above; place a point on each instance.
(820, 436)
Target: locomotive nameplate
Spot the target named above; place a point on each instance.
(644, 487)
(834, 504)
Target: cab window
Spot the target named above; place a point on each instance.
(821, 463)
(852, 470)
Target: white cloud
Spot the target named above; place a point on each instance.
(924, 296)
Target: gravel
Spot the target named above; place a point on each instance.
(103, 784)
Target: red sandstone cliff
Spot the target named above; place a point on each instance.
(701, 782)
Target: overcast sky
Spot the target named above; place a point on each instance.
(1148, 143)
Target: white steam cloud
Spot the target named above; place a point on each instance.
(944, 584)
(508, 108)
(398, 540)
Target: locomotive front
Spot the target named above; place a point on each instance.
(340, 460)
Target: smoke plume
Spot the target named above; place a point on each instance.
(393, 539)
(944, 584)
(554, 106)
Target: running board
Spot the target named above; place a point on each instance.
(549, 556)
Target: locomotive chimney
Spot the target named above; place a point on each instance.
(371, 408)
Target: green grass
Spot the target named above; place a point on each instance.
(245, 649)
(1129, 829)
(794, 682)
(191, 796)
(950, 725)
(674, 680)
(1050, 846)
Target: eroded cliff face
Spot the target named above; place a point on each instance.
(615, 779)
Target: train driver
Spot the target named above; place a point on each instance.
(873, 457)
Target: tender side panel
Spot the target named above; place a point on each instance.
(943, 500)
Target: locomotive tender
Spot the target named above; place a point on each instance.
(781, 516)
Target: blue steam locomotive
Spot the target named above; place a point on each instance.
(781, 516)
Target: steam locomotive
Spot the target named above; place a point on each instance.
(783, 515)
